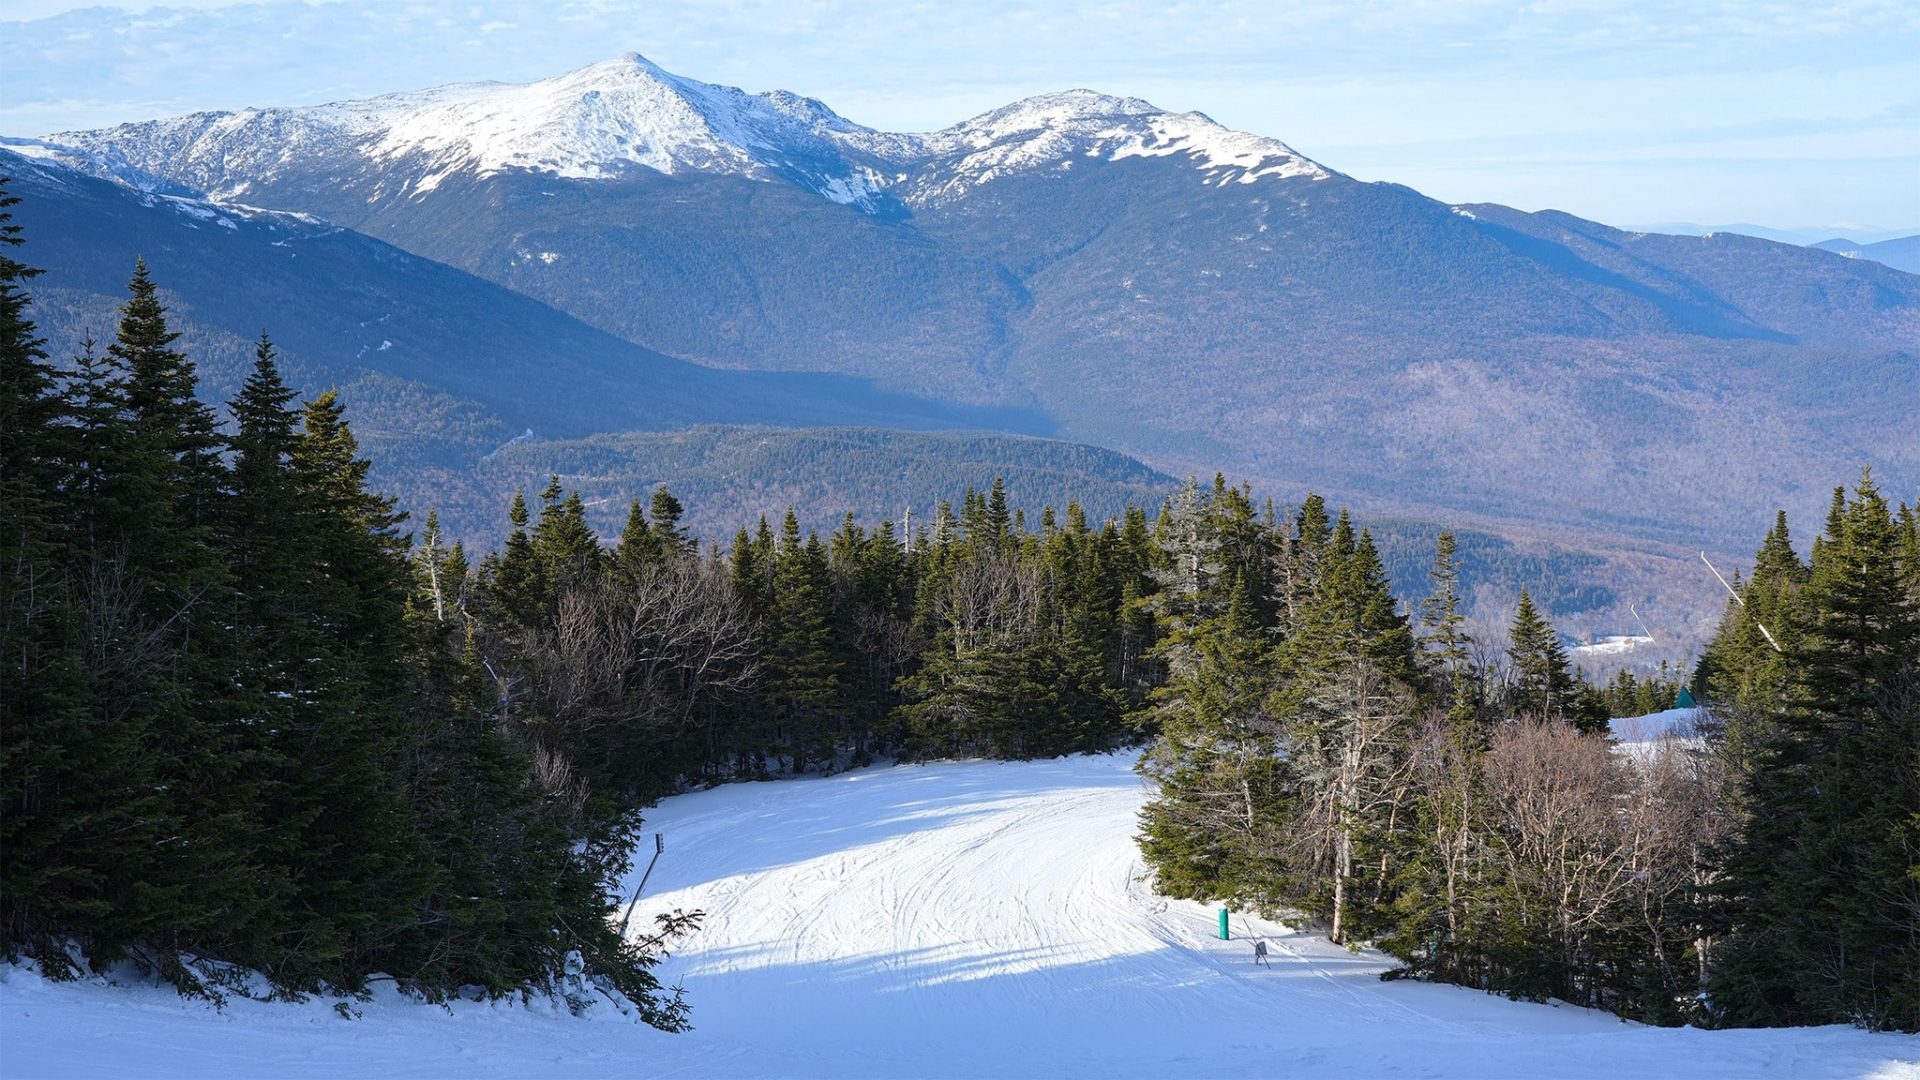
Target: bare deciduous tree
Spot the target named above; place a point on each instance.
(647, 654)
(1552, 798)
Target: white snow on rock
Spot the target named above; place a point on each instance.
(962, 919)
(588, 123)
(610, 117)
(592, 123)
(1055, 128)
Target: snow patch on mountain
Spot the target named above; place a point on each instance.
(53, 164)
(1218, 149)
(590, 123)
(1054, 129)
(603, 120)
(33, 148)
(593, 123)
(1610, 645)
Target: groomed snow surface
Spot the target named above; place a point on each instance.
(1683, 724)
(962, 919)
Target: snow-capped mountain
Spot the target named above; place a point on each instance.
(603, 120)
(593, 123)
(1115, 274)
(1055, 131)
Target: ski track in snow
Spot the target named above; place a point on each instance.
(951, 920)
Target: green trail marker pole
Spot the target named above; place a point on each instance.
(1223, 924)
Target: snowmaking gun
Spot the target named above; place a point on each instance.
(659, 845)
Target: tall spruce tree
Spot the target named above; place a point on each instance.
(80, 809)
(1445, 639)
(516, 583)
(152, 507)
(803, 682)
(1218, 764)
(1543, 684)
(669, 536)
(341, 826)
(1820, 885)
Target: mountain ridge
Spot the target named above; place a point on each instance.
(593, 122)
(1152, 282)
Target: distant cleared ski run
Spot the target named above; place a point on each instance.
(966, 919)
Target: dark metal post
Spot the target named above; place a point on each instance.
(659, 845)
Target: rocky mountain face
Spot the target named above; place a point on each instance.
(1124, 276)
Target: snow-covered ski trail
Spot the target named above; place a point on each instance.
(963, 919)
(993, 919)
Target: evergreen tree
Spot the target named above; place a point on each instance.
(80, 806)
(270, 536)
(1446, 642)
(518, 589)
(342, 829)
(1543, 685)
(178, 451)
(1218, 763)
(1822, 899)
(745, 571)
(1350, 615)
(32, 411)
(636, 551)
(803, 682)
(566, 544)
(151, 482)
(668, 535)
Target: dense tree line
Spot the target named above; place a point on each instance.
(1322, 751)
(239, 724)
(647, 663)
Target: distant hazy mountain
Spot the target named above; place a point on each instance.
(1803, 236)
(1901, 253)
(1144, 280)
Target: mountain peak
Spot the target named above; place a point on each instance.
(607, 118)
(1061, 107)
(598, 120)
(1053, 131)
(634, 59)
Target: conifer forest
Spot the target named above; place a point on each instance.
(254, 717)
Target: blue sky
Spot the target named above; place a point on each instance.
(1634, 112)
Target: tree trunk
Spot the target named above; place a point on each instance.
(1342, 869)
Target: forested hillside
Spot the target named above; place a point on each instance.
(729, 475)
(460, 392)
(440, 367)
